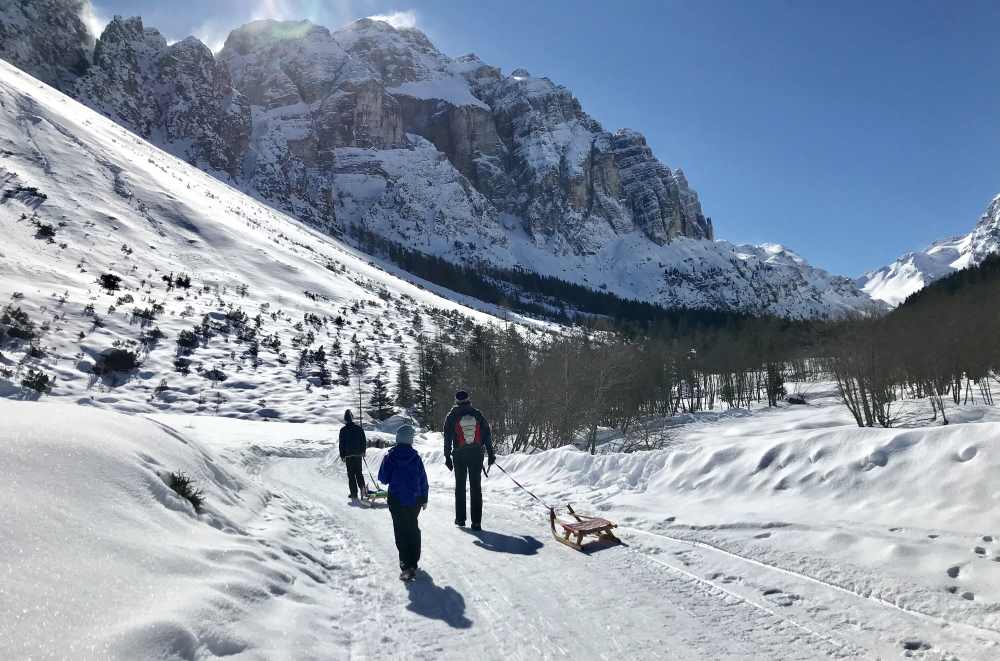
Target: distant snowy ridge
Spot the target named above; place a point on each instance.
(371, 125)
(915, 270)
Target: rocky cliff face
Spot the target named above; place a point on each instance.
(373, 126)
(176, 95)
(46, 38)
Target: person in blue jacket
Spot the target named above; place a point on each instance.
(402, 471)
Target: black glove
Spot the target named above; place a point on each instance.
(447, 462)
(492, 459)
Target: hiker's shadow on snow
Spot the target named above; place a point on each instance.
(437, 603)
(500, 543)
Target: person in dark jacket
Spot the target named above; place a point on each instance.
(466, 439)
(352, 451)
(402, 471)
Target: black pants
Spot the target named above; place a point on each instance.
(407, 532)
(355, 476)
(469, 463)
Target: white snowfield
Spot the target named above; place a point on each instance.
(782, 534)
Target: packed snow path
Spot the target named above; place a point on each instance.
(512, 592)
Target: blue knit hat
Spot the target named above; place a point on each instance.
(404, 435)
(461, 397)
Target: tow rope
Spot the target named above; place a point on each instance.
(368, 468)
(521, 486)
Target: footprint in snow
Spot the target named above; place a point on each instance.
(954, 571)
(780, 597)
(914, 645)
(933, 536)
(763, 535)
(987, 538)
(979, 550)
(968, 596)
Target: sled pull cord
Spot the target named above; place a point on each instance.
(374, 481)
(523, 488)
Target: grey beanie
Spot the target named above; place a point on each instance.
(404, 435)
(348, 416)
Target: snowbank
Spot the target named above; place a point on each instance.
(100, 558)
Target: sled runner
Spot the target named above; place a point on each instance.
(582, 526)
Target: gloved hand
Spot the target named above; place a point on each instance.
(492, 459)
(447, 462)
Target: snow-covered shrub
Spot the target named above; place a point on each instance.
(187, 341)
(184, 487)
(215, 374)
(37, 381)
(44, 231)
(110, 282)
(15, 324)
(117, 360)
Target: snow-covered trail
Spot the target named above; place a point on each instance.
(512, 592)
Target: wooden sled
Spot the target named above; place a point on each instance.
(375, 495)
(573, 532)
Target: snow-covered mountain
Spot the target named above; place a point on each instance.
(373, 126)
(914, 270)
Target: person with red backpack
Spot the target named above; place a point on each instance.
(467, 439)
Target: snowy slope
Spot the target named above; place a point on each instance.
(118, 205)
(912, 271)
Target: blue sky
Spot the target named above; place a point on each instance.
(849, 131)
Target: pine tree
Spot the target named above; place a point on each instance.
(358, 363)
(344, 373)
(319, 356)
(325, 377)
(302, 368)
(379, 404)
(404, 387)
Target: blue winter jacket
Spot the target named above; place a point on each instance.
(402, 471)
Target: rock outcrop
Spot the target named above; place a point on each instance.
(46, 38)
(176, 95)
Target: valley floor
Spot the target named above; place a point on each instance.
(781, 534)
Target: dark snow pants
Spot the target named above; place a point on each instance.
(469, 464)
(407, 532)
(355, 476)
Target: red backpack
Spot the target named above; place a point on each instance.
(467, 431)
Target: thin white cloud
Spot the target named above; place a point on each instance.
(279, 9)
(94, 21)
(398, 19)
(212, 34)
